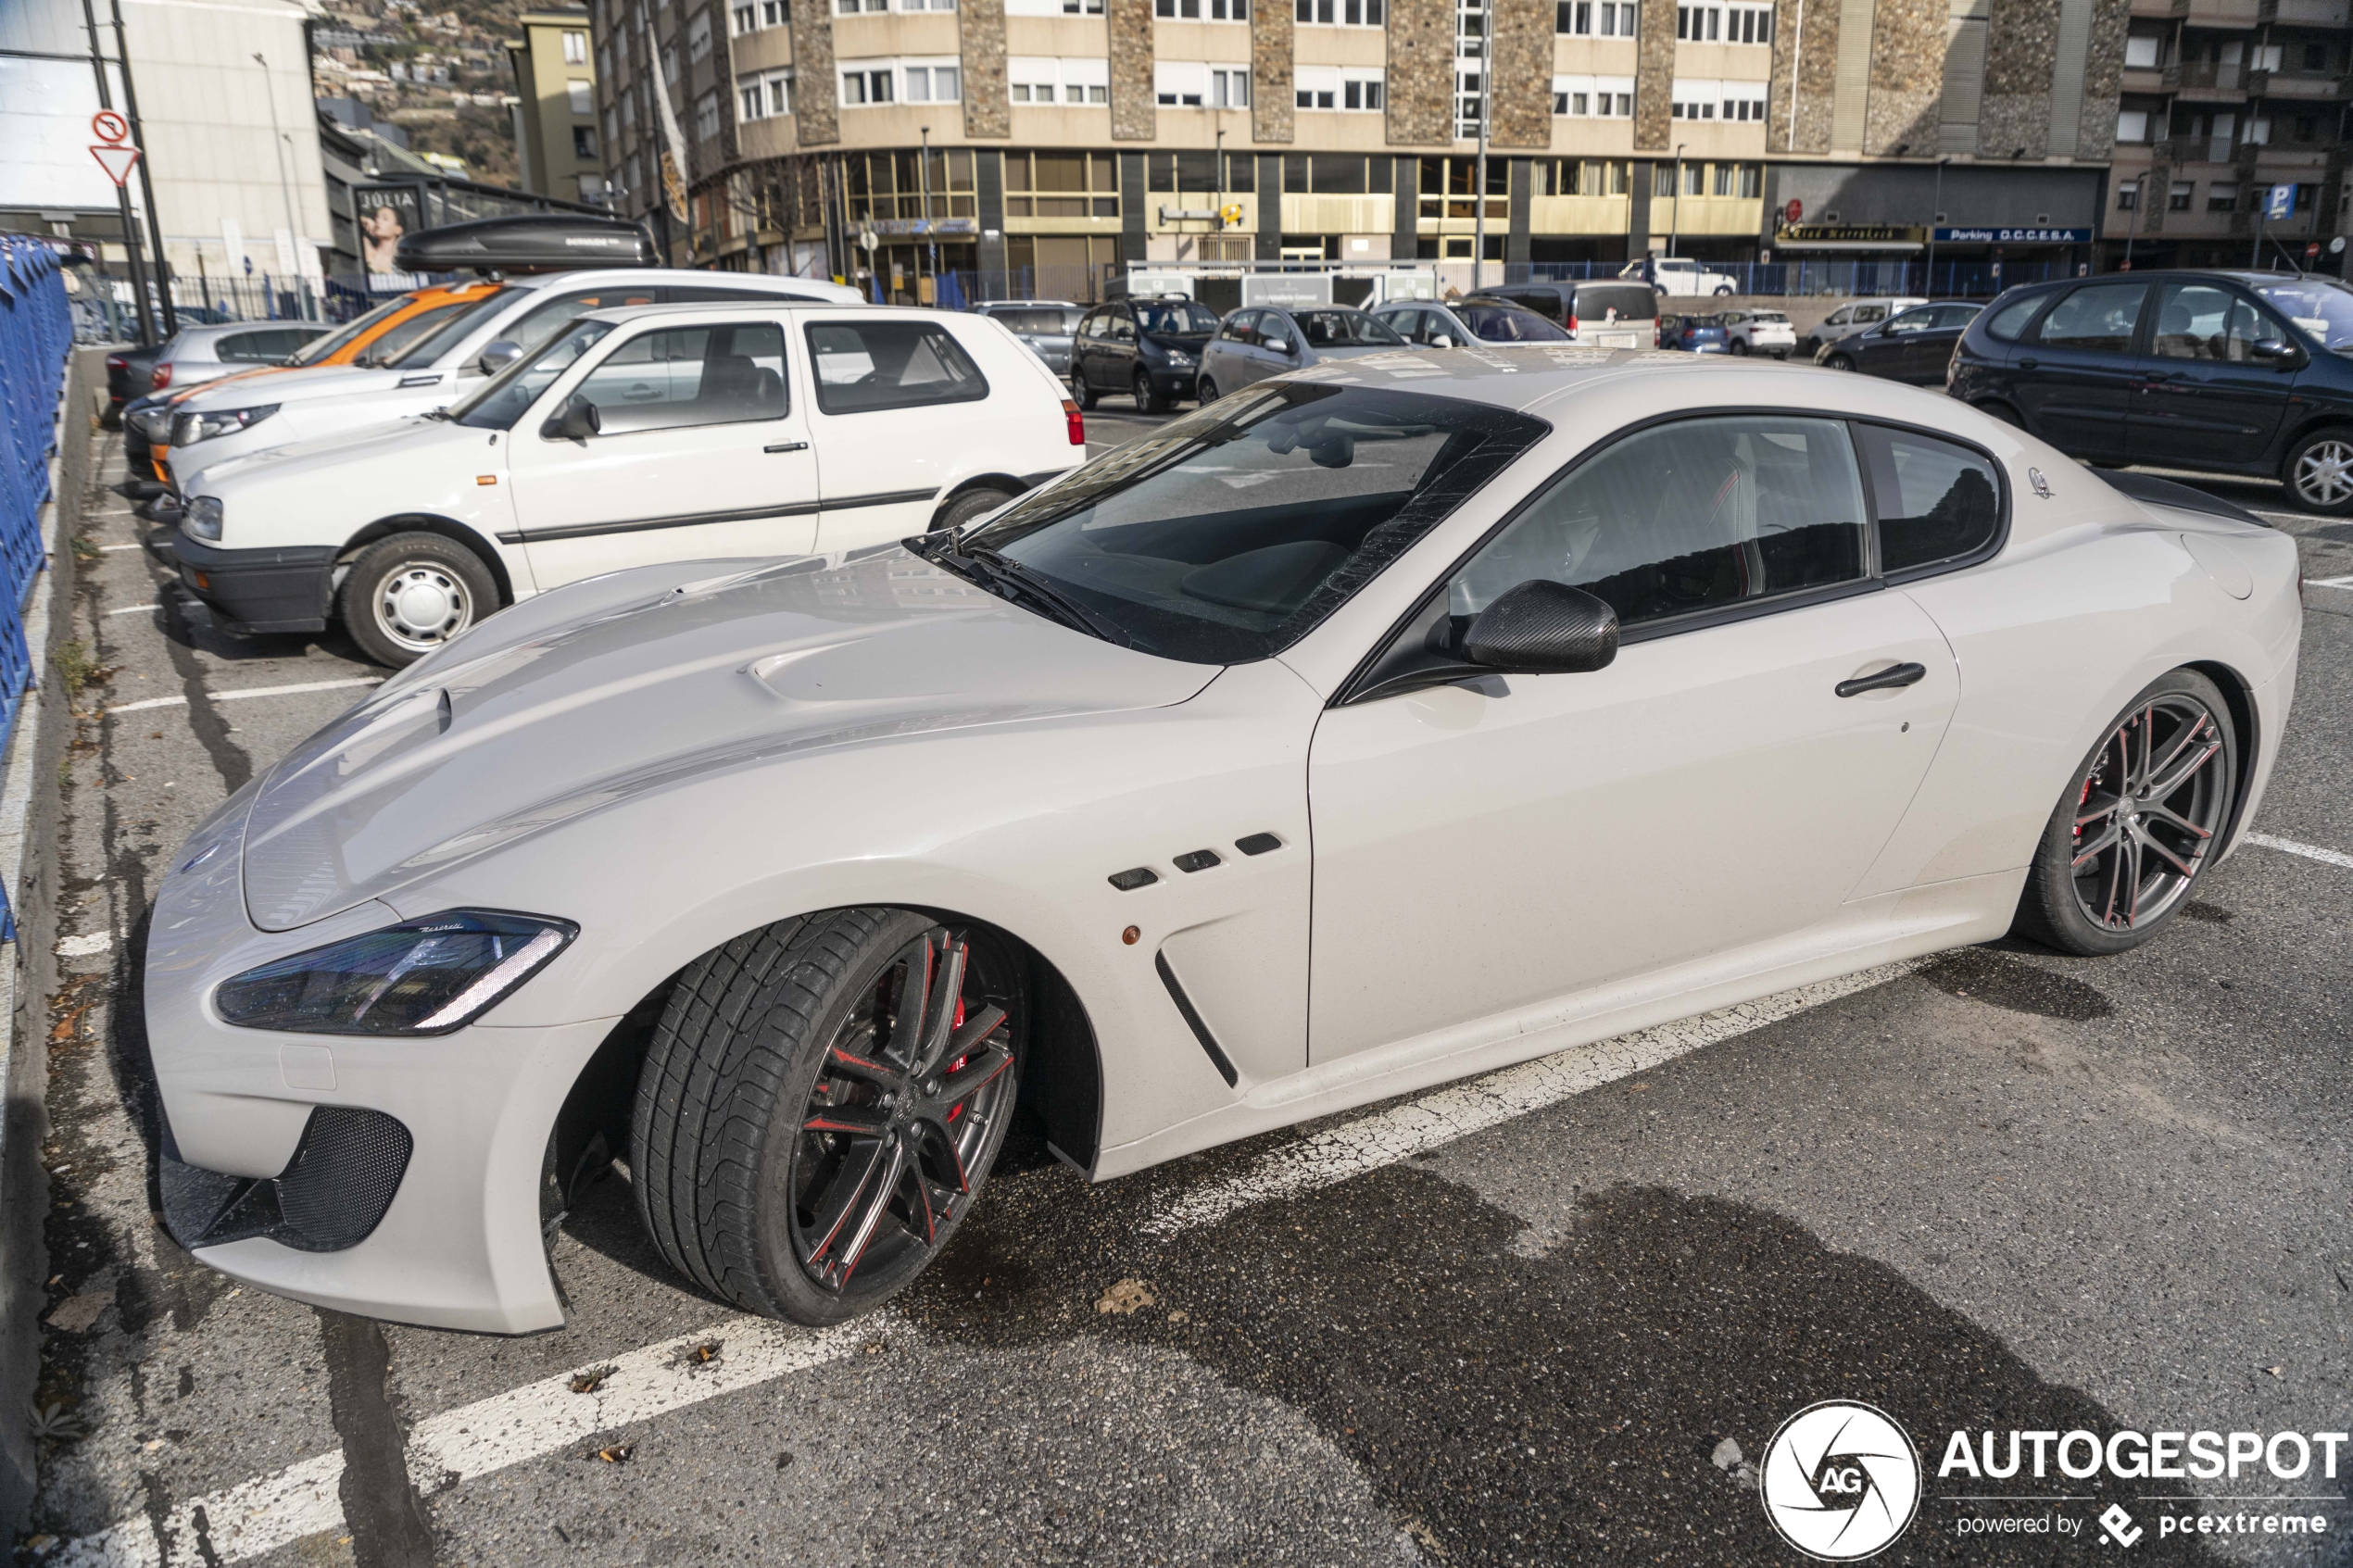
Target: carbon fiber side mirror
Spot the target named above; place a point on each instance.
(1543, 628)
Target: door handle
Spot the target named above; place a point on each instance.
(787, 446)
(1883, 680)
(2027, 364)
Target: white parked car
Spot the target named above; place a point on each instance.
(492, 331)
(1760, 331)
(1681, 275)
(787, 884)
(633, 436)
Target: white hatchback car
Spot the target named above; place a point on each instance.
(1760, 331)
(491, 332)
(1681, 275)
(632, 437)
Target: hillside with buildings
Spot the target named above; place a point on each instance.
(439, 75)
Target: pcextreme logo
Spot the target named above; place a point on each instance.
(1841, 1481)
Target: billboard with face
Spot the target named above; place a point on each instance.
(385, 213)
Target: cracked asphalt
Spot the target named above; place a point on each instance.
(2005, 1190)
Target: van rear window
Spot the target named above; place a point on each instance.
(1633, 302)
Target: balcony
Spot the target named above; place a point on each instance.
(2287, 84)
(2306, 13)
(2206, 79)
(2179, 150)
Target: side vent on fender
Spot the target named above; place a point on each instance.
(1128, 881)
(1197, 861)
(1193, 1021)
(1258, 844)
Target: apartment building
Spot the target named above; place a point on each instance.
(556, 109)
(2223, 102)
(901, 138)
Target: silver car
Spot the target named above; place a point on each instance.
(1046, 325)
(1470, 323)
(1253, 344)
(207, 353)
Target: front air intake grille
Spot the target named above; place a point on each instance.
(331, 1196)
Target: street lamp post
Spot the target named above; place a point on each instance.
(1217, 202)
(277, 137)
(923, 184)
(1675, 224)
(1486, 113)
(1935, 216)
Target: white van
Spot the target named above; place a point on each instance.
(633, 436)
(504, 324)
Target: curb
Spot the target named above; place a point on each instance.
(29, 965)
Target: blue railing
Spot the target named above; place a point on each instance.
(36, 332)
(1961, 278)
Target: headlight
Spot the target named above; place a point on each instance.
(154, 426)
(188, 428)
(1177, 357)
(201, 518)
(422, 977)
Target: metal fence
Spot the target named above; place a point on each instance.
(1947, 278)
(105, 312)
(36, 332)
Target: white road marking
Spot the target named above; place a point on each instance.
(133, 610)
(2342, 582)
(258, 1516)
(1463, 1108)
(91, 945)
(110, 548)
(2309, 851)
(250, 692)
(542, 1418)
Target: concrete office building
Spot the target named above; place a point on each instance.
(1070, 135)
(555, 111)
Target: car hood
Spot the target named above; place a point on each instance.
(1192, 342)
(293, 385)
(643, 681)
(1358, 350)
(335, 456)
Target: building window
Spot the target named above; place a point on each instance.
(582, 95)
(1340, 13)
(1073, 80)
(1335, 87)
(592, 188)
(575, 48)
(699, 38)
(2132, 125)
(1062, 185)
(1594, 18)
(865, 87)
(2177, 198)
(707, 117)
(1724, 24)
(1339, 174)
(1599, 97)
(852, 7)
(1229, 87)
(926, 4)
(2141, 51)
(2223, 195)
(1180, 83)
(934, 84)
(583, 142)
(764, 96)
(2127, 195)
(1196, 174)
(1203, 10)
(886, 186)
(743, 20)
(1447, 188)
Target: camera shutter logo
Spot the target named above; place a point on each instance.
(1841, 1481)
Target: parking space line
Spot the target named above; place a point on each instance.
(1456, 1112)
(250, 692)
(2342, 582)
(133, 610)
(258, 1516)
(112, 549)
(2309, 851)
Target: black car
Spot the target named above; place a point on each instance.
(2219, 372)
(129, 373)
(1150, 349)
(1911, 346)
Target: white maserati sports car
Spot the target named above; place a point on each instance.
(1385, 723)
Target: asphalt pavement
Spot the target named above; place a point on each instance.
(1999, 1191)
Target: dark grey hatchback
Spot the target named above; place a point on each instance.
(2247, 373)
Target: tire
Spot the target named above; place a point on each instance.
(762, 1120)
(968, 506)
(1207, 392)
(1082, 392)
(2319, 472)
(2176, 750)
(1724, 290)
(408, 595)
(1839, 362)
(1147, 398)
(1740, 346)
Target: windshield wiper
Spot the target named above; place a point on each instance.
(1010, 578)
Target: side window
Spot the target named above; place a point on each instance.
(1912, 322)
(1937, 501)
(2009, 322)
(867, 365)
(1871, 312)
(1691, 516)
(1123, 327)
(543, 321)
(1092, 326)
(245, 348)
(2100, 317)
(1952, 318)
(2202, 321)
(725, 374)
(1840, 317)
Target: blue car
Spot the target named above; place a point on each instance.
(1698, 334)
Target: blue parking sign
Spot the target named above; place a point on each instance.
(2282, 203)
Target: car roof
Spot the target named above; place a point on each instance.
(617, 314)
(197, 332)
(1554, 375)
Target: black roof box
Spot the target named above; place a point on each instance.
(542, 242)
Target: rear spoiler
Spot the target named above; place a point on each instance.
(2166, 493)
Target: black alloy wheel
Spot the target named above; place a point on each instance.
(1840, 362)
(822, 1104)
(1147, 398)
(1208, 392)
(1740, 346)
(1082, 391)
(2145, 814)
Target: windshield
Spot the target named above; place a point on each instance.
(1229, 534)
(498, 403)
(1346, 329)
(1039, 322)
(1180, 317)
(318, 348)
(447, 328)
(2322, 310)
(1509, 323)
(399, 338)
